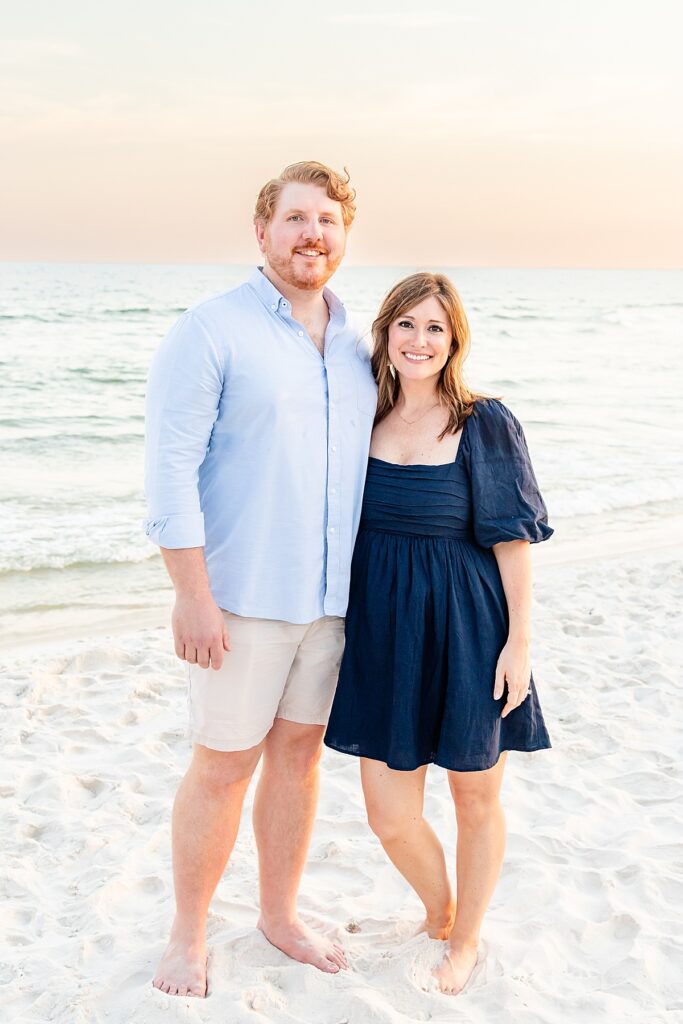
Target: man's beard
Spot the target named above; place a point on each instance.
(307, 278)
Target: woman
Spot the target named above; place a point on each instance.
(436, 667)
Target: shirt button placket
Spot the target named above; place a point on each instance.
(333, 482)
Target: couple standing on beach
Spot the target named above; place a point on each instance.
(264, 404)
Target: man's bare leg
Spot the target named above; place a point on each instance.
(284, 812)
(394, 801)
(481, 844)
(206, 817)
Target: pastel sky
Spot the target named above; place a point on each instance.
(477, 132)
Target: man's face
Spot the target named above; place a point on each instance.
(305, 239)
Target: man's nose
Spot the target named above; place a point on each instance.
(312, 229)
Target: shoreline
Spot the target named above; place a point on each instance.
(43, 631)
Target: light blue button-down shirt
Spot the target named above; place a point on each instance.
(256, 450)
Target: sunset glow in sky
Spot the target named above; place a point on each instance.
(477, 132)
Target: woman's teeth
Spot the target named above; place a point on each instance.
(415, 358)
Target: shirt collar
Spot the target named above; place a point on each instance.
(272, 298)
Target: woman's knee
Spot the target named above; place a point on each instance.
(389, 825)
(473, 807)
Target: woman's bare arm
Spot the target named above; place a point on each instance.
(514, 661)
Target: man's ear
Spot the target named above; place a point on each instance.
(260, 230)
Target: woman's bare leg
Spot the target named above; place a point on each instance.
(394, 802)
(481, 844)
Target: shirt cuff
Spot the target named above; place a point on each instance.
(179, 531)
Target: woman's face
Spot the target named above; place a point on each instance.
(420, 340)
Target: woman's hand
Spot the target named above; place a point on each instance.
(513, 668)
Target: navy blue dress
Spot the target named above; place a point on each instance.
(427, 615)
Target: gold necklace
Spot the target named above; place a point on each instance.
(421, 417)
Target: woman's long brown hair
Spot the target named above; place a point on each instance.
(451, 388)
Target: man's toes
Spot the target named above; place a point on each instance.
(164, 987)
(182, 991)
(327, 965)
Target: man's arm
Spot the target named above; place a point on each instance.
(183, 395)
(199, 631)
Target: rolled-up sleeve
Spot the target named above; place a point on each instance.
(183, 394)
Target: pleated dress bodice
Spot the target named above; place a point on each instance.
(419, 500)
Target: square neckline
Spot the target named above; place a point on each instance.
(426, 465)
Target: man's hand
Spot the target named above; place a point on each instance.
(199, 631)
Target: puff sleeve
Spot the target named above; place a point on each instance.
(506, 502)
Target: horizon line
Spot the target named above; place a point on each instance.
(350, 265)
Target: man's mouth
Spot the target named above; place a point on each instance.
(416, 357)
(312, 253)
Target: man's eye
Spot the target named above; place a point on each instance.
(295, 216)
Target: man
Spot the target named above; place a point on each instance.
(259, 412)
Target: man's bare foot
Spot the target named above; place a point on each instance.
(455, 970)
(303, 944)
(438, 926)
(182, 970)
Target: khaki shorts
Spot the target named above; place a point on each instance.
(274, 670)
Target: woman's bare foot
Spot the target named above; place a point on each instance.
(303, 944)
(182, 970)
(455, 970)
(438, 926)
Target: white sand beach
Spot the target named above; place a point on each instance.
(584, 925)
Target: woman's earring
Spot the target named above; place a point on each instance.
(392, 370)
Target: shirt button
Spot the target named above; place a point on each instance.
(301, 334)
(333, 448)
(332, 529)
(333, 490)
(273, 307)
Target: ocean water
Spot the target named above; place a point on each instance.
(588, 360)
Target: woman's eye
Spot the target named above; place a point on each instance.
(404, 323)
(435, 327)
